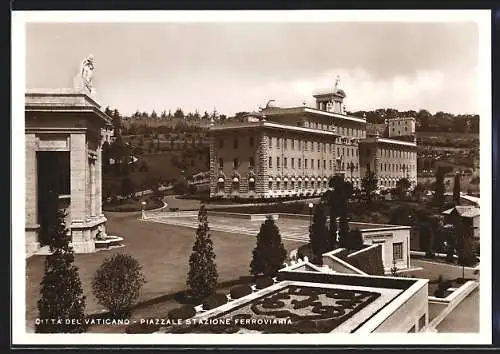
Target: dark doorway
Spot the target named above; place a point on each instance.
(53, 171)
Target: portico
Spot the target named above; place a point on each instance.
(63, 137)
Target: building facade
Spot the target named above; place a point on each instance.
(282, 152)
(64, 133)
(390, 159)
(401, 126)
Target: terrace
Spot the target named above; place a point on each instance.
(307, 302)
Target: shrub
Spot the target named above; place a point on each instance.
(182, 313)
(240, 291)
(142, 328)
(304, 251)
(263, 282)
(61, 289)
(203, 275)
(117, 283)
(269, 253)
(214, 301)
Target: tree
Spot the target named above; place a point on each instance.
(105, 157)
(402, 186)
(394, 268)
(450, 242)
(344, 232)
(318, 234)
(61, 289)
(426, 239)
(127, 187)
(456, 190)
(439, 187)
(369, 185)
(179, 113)
(269, 254)
(202, 276)
(116, 122)
(463, 236)
(117, 283)
(355, 239)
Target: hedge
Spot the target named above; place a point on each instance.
(214, 301)
(263, 282)
(181, 313)
(142, 328)
(240, 291)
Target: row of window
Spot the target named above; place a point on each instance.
(308, 164)
(236, 163)
(343, 131)
(235, 186)
(297, 185)
(399, 122)
(303, 145)
(397, 154)
(251, 142)
(396, 167)
(292, 143)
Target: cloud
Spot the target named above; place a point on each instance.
(363, 90)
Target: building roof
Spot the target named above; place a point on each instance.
(63, 101)
(466, 211)
(348, 304)
(470, 198)
(312, 111)
(270, 125)
(380, 140)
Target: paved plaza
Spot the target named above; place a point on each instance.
(290, 229)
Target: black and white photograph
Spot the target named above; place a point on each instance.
(243, 177)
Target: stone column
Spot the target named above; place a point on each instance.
(31, 197)
(98, 176)
(78, 163)
(92, 167)
(262, 176)
(31, 180)
(213, 168)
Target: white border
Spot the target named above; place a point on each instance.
(19, 19)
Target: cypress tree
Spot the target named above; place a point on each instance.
(355, 239)
(269, 254)
(318, 234)
(202, 276)
(61, 289)
(439, 188)
(456, 190)
(344, 240)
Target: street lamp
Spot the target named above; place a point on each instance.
(311, 205)
(143, 211)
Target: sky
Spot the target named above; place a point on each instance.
(233, 67)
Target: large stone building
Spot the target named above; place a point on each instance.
(402, 126)
(64, 132)
(390, 159)
(282, 152)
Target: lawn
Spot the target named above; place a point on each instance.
(163, 250)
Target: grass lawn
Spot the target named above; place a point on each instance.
(163, 250)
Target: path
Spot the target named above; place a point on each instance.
(194, 204)
(290, 229)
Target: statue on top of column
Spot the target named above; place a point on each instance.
(83, 81)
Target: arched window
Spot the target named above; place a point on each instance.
(251, 184)
(235, 186)
(220, 184)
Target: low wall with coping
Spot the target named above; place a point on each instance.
(451, 301)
